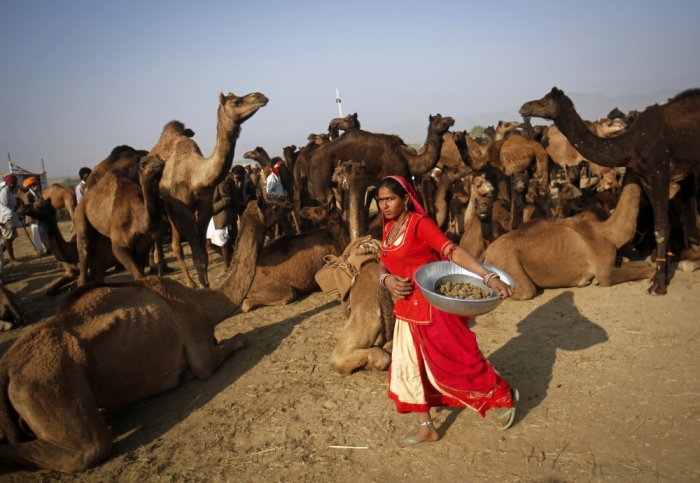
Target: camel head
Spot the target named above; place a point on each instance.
(151, 169)
(520, 182)
(274, 210)
(482, 196)
(608, 181)
(237, 110)
(318, 214)
(546, 108)
(607, 128)
(505, 127)
(347, 173)
(343, 124)
(255, 155)
(440, 125)
(321, 139)
(41, 210)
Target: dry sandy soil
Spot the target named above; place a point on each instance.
(609, 380)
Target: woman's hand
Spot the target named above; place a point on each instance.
(501, 288)
(398, 287)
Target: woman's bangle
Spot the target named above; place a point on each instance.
(489, 277)
(382, 278)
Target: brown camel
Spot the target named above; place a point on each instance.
(478, 231)
(290, 155)
(301, 176)
(11, 309)
(189, 179)
(364, 341)
(661, 146)
(567, 195)
(61, 198)
(383, 155)
(124, 158)
(346, 123)
(447, 177)
(570, 252)
(351, 177)
(288, 264)
(107, 346)
(123, 211)
(66, 252)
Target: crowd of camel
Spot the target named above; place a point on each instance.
(554, 206)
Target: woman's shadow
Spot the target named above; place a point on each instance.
(526, 362)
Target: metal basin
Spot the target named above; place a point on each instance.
(432, 275)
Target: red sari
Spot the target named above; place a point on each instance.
(436, 360)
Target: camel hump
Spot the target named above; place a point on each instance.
(122, 150)
(684, 95)
(178, 128)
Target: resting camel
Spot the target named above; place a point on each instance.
(346, 123)
(109, 345)
(570, 252)
(661, 146)
(125, 212)
(189, 179)
(61, 197)
(383, 155)
(288, 264)
(11, 309)
(66, 252)
(369, 328)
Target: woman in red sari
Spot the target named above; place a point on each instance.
(435, 358)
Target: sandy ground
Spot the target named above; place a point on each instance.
(608, 378)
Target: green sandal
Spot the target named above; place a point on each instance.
(412, 443)
(510, 412)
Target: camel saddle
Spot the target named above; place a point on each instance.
(338, 275)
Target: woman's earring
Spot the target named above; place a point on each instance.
(405, 206)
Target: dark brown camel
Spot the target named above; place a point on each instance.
(125, 212)
(66, 252)
(124, 158)
(662, 145)
(301, 176)
(346, 123)
(383, 155)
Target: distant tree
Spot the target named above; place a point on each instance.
(477, 131)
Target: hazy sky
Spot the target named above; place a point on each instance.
(78, 78)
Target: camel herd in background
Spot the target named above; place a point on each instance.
(554, 206)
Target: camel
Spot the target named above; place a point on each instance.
(11, 309)
(61, 198)
(125, 212)
(351, 176)
(447, 177)
(661, 146)
(628, 118)
(286, 175)
(301, 176)
(109, 345)
(383, 155)
(363, 342)
(290, 155)
(338, 124)
(567, 195)
(570, 252)
(189, 179)
(124, 158)
(478, 231)
(287, 264)
(66, 252)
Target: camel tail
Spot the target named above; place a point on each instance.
(8, 424)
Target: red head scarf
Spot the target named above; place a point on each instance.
(276, 168)
(417, 207)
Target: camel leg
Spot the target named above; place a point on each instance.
(659, 196)
(267, 291)
(55, 288)
(125, 257)
(507, 260)
(71, 434)
(689, 214)
(354, 348)
(628, 272)
(204, 357)
(85, 242)
(177, 245)
(159, 255)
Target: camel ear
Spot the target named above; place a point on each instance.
(556, 93)
(222, 99)
(430, 118)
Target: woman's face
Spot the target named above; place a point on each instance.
(390, 204)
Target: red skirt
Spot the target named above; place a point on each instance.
(441, 365)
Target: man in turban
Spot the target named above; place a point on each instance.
(8, 199)
(32, 195)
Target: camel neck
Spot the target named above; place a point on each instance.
(214, 169)
(609, 152)
(419, 164)
(620, 227)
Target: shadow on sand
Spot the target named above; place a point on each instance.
(526, 361)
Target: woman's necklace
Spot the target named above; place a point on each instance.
(389, 239)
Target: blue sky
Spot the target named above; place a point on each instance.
(79, 78)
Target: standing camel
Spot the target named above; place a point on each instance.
(61, 197)
(662, 145)
(189, 179)
(123, 211)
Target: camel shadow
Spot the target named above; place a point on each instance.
(527, 361)
(146, 420)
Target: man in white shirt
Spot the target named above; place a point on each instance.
(8, 199)
(275, 190)
(80, 188)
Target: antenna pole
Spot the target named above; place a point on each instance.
(43, 170)
(337, 100)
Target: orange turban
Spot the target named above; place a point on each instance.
(29, 181)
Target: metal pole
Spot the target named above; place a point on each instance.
(337, 100)
(43, 170)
